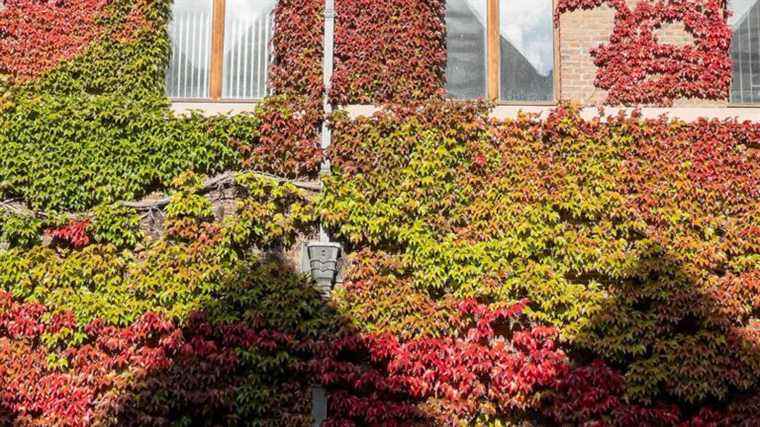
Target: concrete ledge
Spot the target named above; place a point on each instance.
(501, 112)
(688, 114)
(212, 108)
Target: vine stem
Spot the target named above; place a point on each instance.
(224, 180)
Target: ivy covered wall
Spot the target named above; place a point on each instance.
(384, 52)
(548, 272)
(635, 240)
(395, 51)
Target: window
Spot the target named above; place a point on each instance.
(190, 33)
(745, 51)
(502, 49)
(466, 44)
(526, 42)
(220, 49)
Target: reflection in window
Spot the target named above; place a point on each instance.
(248, 29)
(466, 43)
(190, 33)
(745, 51)
(527, 50)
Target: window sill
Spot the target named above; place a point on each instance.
(747, 106)
(500, 111)
(688, 114)
(529, 104)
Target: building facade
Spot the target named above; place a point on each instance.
(547, 270)
(525, 56)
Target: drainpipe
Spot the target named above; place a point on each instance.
(327, 73)
(318, 405)
(323, 255)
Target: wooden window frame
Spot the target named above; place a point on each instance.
(217, 49)
(493, 61)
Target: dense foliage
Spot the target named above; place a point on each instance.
(101, 324)
(384, 51)
(98, 128)
(388, 51)
(395, 51)
(193, 325)
(637, 239)
(552, 271)
(297, 41)
(37, 36)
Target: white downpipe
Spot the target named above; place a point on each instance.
(327, 73)
(319, 394)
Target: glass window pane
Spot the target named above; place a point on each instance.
(466, 44)
(247, 35)
(527, 50)
(745, 51)
(190, 34)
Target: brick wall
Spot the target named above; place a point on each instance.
(582, 30)
(579, 32)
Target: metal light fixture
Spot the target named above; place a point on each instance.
(323, 260)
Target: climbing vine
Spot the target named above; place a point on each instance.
(396, 51)
(637, 239)
(636, 68)
(555, 271)
(97, 127)
(38, 36)
(384, 51)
